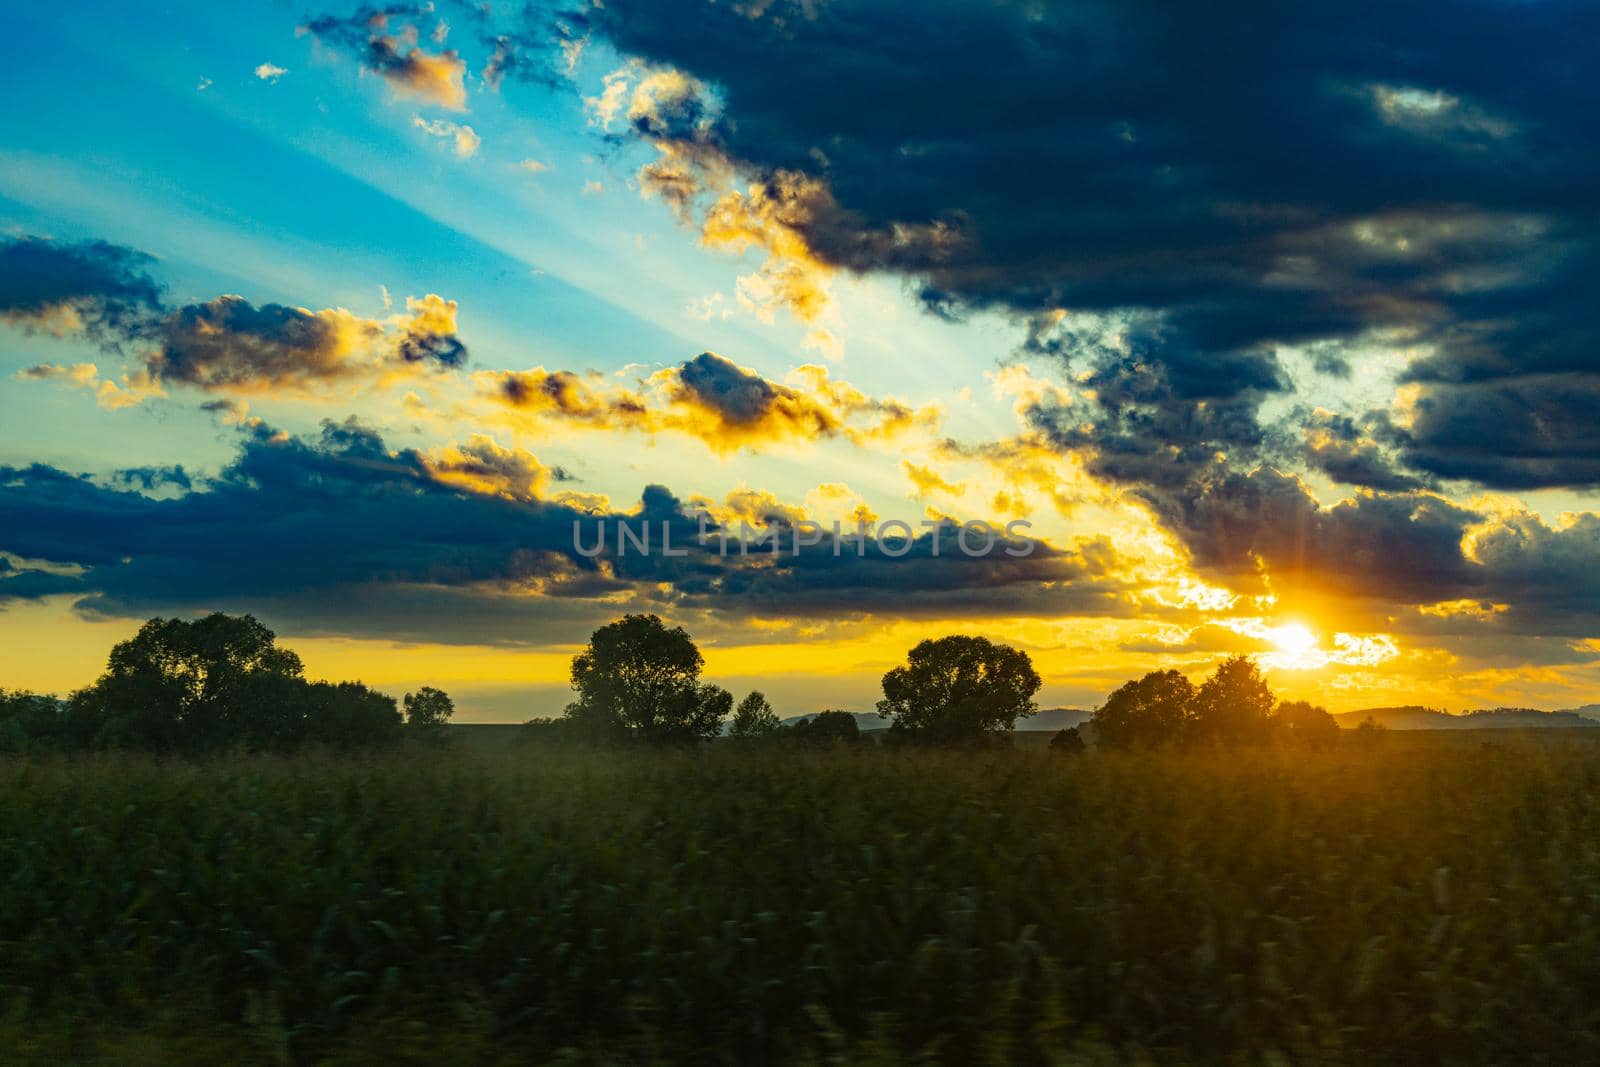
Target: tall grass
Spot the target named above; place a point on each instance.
(1404, 904)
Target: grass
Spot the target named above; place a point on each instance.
(1410, 902)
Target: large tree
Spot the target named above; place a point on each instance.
(178, 685)
(219, 682)
(1234, 705)
(959, 689)
(1154, 710)
(638, 678)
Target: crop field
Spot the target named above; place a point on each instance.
(496, 903)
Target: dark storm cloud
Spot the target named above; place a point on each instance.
(1401, 547)
(94, 286)
(308, 529)
(1245, 176)
(1514, 432)
(1411, 549)
(152, 478)
(1351, 454)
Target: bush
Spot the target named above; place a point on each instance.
(1067, 742)
(826, 729)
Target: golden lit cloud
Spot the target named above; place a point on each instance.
(129, 391)
(710, 398)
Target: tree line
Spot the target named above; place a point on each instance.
(222, 682)
(639, 680)
(216, 683)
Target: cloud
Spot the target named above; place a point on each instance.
(132, 389)
(1349, 454)
(226, 344)
(465, 139)
(711, 398)
(91, 287)
(1228, 186)
(1523, 431)
(342, 534)
(435, 77)
(270, 73)
(230, 345)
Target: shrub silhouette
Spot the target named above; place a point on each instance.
(1068, 742)
(959, 690)
(827, 728)
(30, 722)
(639, 679)
(1303, 722)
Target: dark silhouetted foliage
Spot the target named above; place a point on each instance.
(1068, 742)
(216, 683)
(1155, 710)
(428, 713)
(32, 723)
(827, 728)
(1370, 732)
(639, 679)
(1234, 706)
(1302, 722)
(349, 715)
(754, 719)
(957, 690)
(180, 686)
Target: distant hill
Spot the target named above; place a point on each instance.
(1417, 717)
(865, 720)
(1588, 711)
(1051, 719)
(1054, 719)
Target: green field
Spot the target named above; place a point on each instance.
(1404, 901)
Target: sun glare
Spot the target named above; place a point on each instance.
(1292, 638)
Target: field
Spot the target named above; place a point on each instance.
(495, 902)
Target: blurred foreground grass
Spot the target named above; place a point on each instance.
(1403, 903)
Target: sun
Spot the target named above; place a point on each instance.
(1292, 638)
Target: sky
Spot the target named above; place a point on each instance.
(1272, 324)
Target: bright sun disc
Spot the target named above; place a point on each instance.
(1293, 638)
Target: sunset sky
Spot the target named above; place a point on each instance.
(1275, 321)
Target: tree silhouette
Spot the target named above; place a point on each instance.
(1234, 705)
(958, 690)
(1155, 710)
(1370, 731)
(754, 718)
(429, 710)
(1068, 742)
(348, 715)
(1303, 722)
(639, 679)
(826, 729)
(29, 721)
(189, 686)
